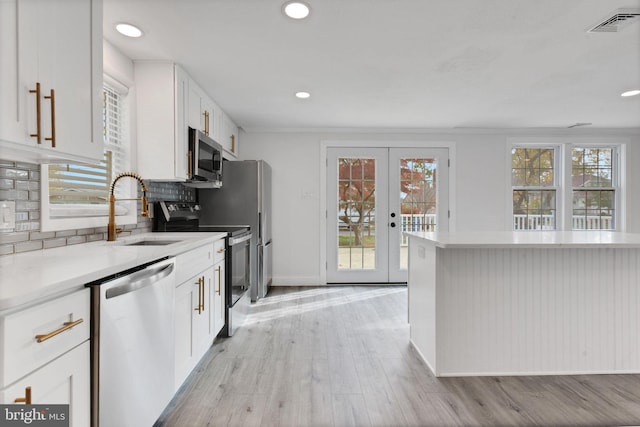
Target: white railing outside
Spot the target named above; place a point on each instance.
(416, 222)
(427, 222)
(546, 222)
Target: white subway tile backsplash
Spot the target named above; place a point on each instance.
(54, 243)
(76, 239)
(6, 249)
(13, 237)
(20, 182)
(42, 236)
(28, 246)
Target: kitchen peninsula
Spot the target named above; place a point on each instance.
(525, 303)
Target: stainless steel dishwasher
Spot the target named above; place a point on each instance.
(132, 345)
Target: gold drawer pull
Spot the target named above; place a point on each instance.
(65, 326)
(221, 251)
(27, 397)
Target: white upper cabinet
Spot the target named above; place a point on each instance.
(162, 106)
(204, 113)
(51, 80)
(229, 138)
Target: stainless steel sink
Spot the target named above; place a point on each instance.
(151, 243)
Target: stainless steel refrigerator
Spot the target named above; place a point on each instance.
(244, 198)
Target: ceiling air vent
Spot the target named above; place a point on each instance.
(620, 19)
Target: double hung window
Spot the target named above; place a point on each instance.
(551, 193)
(534, 177)
(593, 181)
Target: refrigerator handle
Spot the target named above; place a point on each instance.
(259, 228)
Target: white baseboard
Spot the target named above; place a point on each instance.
(297, 281)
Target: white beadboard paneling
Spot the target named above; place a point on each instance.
(533, 311)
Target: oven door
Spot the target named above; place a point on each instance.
(239, 268)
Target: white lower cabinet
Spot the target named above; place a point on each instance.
(65, 380)
(46, 350)
(197, 307)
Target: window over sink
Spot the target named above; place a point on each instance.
(77, 195)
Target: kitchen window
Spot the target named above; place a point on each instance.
(593, 176)
(565, 186)
(534, 182)
(76, 195)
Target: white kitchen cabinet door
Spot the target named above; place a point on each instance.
(162, 110)
(203, 319)
(185, 295)
(229, 138)
(56, 46)
(218, 297)
(194, 323)
(65, 380)
(202, 111)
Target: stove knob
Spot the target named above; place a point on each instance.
(196, 208)
(172, 208)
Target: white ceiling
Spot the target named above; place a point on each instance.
(397, 63)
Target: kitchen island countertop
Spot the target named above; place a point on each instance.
(530, 239)
(32, 277)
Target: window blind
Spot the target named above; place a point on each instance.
(82, 184)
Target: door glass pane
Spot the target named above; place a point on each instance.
(417, 200)
(356, 213)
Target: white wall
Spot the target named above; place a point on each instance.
(480, 198)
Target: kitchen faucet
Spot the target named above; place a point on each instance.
(111, 228)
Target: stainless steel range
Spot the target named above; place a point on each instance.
(185, 216)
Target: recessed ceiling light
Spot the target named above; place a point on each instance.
(129, 30)
(631, 93)
(296, 9)
(303, 95)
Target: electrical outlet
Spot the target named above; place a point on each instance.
(7, 215)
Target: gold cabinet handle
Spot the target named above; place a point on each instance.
(233, 143)
(38, 134)
(199, 307)
(27, 397)
(219, 279)
(206, 122)
(221, 251)
(52, 97)
(190, 164)
(203, 294)
(65, 327)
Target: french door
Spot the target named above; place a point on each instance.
(373, 196)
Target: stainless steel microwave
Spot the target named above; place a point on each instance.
(205, 161)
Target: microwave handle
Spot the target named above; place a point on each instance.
(190, 164)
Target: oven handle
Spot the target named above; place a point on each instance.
(235, 240)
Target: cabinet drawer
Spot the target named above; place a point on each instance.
(21, 331)
(193, 262)
(64, 381)
(218, 251)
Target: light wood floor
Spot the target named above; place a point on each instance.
(340, 356)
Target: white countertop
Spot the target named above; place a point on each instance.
(530, 239)
(30, 277)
